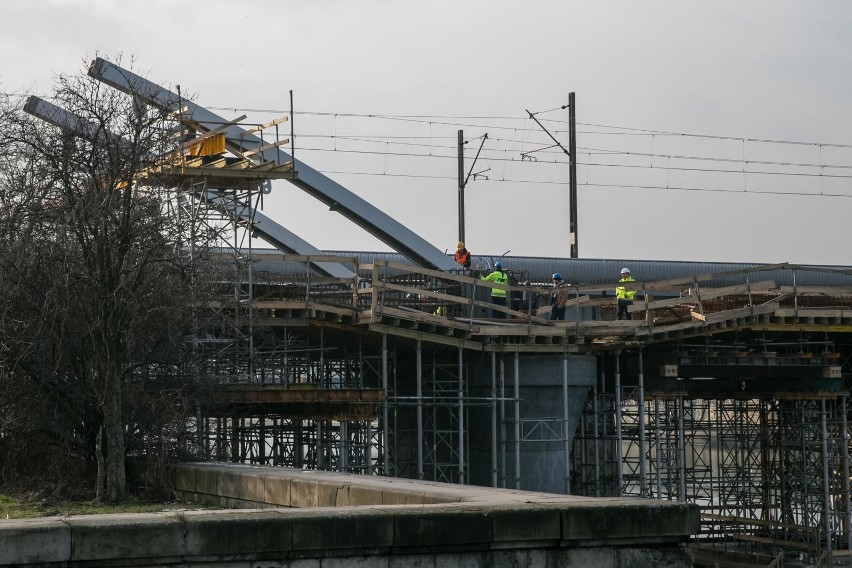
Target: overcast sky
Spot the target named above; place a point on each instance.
(645, 74)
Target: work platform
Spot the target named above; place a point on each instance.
(449, 309)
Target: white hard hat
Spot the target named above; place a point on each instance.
(625, 271)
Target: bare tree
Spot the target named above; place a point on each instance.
(96, 273)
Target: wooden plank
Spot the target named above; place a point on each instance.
(302, 305)
(241, 164)
(739, 313)
(756, 288)
(259, 149)
(521, 329)
(657, 304)
(666, 284)
(706, 294)
(428, 337)
(530, 348)
(209, 133)
(432, 294)
(803, 327)
(264, 126)
(265, 166)
(814, 313)
(822, 290)
(425, 317)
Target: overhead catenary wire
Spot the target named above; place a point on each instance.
(497, 153)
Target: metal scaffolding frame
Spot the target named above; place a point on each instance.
(770, 474)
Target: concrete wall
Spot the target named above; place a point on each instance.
(351, 520)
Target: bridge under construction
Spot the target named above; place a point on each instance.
(728, 388)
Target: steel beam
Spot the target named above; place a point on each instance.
(319, 186)
(265, 228)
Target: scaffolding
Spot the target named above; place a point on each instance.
(769, 474)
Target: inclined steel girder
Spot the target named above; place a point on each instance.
(265, 228)
(321, 187)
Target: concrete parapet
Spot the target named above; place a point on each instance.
(369, 521)
(34, 541)
(111, 537)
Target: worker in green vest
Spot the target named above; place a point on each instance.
(497, 296)
(623, 295)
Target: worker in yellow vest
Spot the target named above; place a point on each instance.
(497, 296)
(623, 295)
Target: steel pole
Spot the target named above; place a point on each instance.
(461, 185)
(845, 472)
(385, 437)
(826, 488)
(572, 173)
(517, 423)
(565, 433)
(619, 466)
(503, 440)
(643, 482)
(419, 411)
(657, 446)
(461, 416)
(493, 419)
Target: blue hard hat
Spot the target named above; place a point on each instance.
(498, 264)
(557, 276)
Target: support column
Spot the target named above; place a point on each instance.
(503, 440)
(565, 434)
(826, 488)
(597, 439)
(419, 410)
(517, 423)
(320, 455)
(461, 416)
(619, 466)
(493, 419)
(640, 407)
(846, 473)
(343, 457)
(681, 451)
(385, 470)
(368, 451)
(657, 447)
(261, 443)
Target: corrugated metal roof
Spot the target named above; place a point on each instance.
(605, 271)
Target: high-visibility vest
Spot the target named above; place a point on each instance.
(621, 293)
(463, 257)
(498, 277)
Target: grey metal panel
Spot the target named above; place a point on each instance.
(64, 119)
(356, 209)
(263, 226)
(279, 237)
(602, 271)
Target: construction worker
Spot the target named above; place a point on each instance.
(623, 295)
(497, 296)
(557, 298)
(462, 256)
